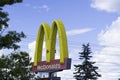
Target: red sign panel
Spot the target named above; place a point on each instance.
(54, 65)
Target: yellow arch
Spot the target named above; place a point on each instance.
(50, 36)
(58, 26)
(44, 29)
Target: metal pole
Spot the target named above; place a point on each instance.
(52, 77)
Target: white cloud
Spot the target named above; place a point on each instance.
(106, 5)
(45, 7)
(66, 75)
(1, 52)
(5, 51)
(39, 8)
(78, 31)
(31, 47)
(42, 8)
(108, 58)
(111, 36)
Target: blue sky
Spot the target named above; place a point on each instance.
(93, 21)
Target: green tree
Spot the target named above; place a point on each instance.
(16, 66)
(8, 2)
(86, 70)
(10, 39)
(3, 67)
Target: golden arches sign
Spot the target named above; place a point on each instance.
(50, 37)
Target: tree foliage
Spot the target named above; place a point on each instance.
(86, 70)
(8, 2)
(10, 39)
(16, 66)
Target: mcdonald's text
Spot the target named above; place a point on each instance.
(54, 65)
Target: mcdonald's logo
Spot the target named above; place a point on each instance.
(50, 34)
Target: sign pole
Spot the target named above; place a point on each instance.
(50, 75)
(53, 77)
